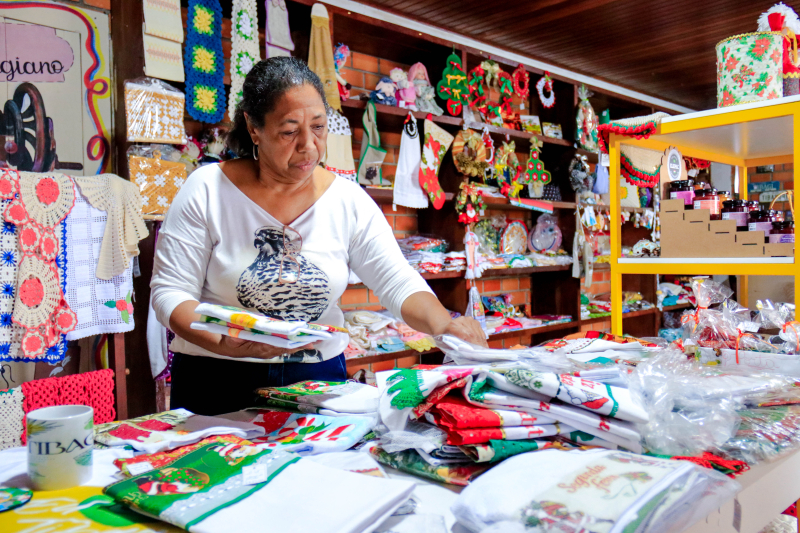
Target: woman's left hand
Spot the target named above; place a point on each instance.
(467, 329)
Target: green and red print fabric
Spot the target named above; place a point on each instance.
(749, 68)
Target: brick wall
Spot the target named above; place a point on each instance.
(781, 173)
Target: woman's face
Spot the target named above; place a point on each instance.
(294, 136)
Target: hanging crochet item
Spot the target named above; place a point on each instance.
(453, 86)
(469, 203)
(320, 55)
(244, 48)
(437, 141)
(372, 155)
(204, 62)
(637, 127)
(535, 176)
(521, 82)
(639, 166)
(339, 155)
(157, 178)
(586, 122)
(407, 190)
(546, 83)
(154, 112)
(11, 415)
(278, 37)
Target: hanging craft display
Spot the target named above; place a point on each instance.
(545, 236)
(320, 55)
(521, 82)
(506, 169)
(546, 83)
(469, 153)
(469, 203)
(639, 166)
(372, 155)
(490, 92)
(158, 179)
(426, 101)
(407, 190)
(535, 176)
(154, 112)
(245, 50)
(628, 194)
(39, 203)
(453, 86)
(586, 122)
(340, 55)
(580, 177)
(204, 62)
(277, 35)
(637, 127)
(163, 59)
(437, 142)
(339, 154)
(514, 239)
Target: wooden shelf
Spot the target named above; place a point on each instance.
(592, 157)
(678, 307)
(491, 273)
(386, 196)
(492, 202)
(498, 336)
(622, 208)
(399, 112)
(632, 314)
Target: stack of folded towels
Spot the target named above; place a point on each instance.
(251, 326)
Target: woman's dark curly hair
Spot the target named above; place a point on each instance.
(264, 85)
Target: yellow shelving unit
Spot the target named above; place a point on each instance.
(749, 135)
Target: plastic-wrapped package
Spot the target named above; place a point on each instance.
(154, 111)
(157, 171)
(707, 293)
(465, 353)
(416, 435)
(692, 406)
(618, 492)
(780, 316)
(765, 434)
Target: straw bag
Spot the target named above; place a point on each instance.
(158, 179)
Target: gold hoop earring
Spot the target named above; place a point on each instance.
(255, 152)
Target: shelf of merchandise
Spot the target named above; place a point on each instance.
(677, 307)
(491, 273)
(743, 136)
(367, 359)
(632, 314)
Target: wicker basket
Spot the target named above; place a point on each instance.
(749, 68)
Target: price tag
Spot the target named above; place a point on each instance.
(605, 160)
(522, 106)
(254, 474)
(481, 212)
(139, 468)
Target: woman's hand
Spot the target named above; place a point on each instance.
(467, 329)
(233, 347)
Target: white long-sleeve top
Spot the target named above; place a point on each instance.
(218, 246)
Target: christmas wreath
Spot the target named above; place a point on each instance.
(522, 82)
(546, 81)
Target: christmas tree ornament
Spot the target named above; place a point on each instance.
(782, 18)
(245, 50)
(522, 82)
(203, 61)
(546, 83)
(453, 86)
(469, 203)
(320, 55)
(536, 177)
(436, 143)
(407, 190)
(586, 122)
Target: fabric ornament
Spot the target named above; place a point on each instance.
(384, 92)
(278, 36)
(469, 153)
(426, 101)
(339, 154)
(637, 127)
(453, 86)
(521, 82)
(372, 155)
(320, 55)
(204, 62)
(469, 203)
(245, 52)
(340, 57)
(586, 121)
(437, 141)
(407, 190)
(536, 177)
(477, 94)
(546, 83)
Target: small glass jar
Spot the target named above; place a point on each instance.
(762, 221)
(708, 199)
(682, 189)
(782, 231)
(753, 205)
(724, 196)
(736, 210)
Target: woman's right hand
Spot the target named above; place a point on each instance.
(233, 347)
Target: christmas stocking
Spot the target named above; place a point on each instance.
(437, 141)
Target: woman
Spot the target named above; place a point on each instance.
(275, 232)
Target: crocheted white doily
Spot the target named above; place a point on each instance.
(11, 415)
(47, 197)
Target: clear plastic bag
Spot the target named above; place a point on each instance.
(158, 172)
(707, 293)
(154, 112)
(416, 435)
(465, 353)
(765, 434)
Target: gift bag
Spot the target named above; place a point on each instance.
(157, 177)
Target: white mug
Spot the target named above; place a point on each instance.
(60, 444)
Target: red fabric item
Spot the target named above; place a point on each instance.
(155, 425)
(128, 432)
(95, 389)
(460, 437)
(271, 420)
(791, 511)
(709, 460)
(436, 396)
(454, 412)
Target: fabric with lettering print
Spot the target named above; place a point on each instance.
(600, 398)
(596, 491)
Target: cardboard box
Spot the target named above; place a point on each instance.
(692, 233)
